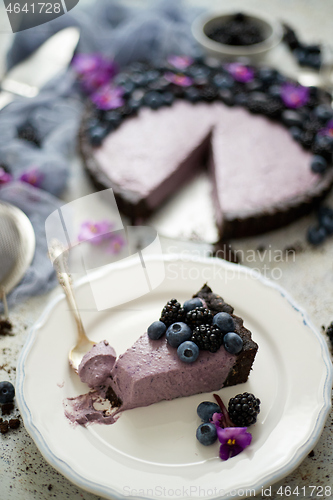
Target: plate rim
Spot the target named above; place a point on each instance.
(107, 492)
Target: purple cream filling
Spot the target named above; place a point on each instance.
(97, 364)
(256, 163)
(151, 371)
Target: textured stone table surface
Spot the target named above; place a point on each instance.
(307, 275)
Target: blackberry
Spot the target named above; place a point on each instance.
(199, 316)
(207, 337)
(172, 312)
(243, 409)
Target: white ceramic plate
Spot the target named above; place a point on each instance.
(152, 452)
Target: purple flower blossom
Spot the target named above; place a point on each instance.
(95, 231)
(233, 440)
(180, 62)
(178, 79)
(93, 70)
(5, 177)
(116, 244)
(240, 73)
(294, 96)
(32, 176)
(327, 130)
(108, 97)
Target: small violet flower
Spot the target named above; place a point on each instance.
(93, 71)
(294, 96)
(32, 176)
(240, 73)
(178, 79)
(5, 177)
(327, 130)
(233, 440)
(116, 244)
(95, 231)
(180, 62)
(108, 97)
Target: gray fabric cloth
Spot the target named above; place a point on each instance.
(124, 34)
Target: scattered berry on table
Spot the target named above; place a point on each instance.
(156, 330)
(188, 351)
(199, 316)
(232, 343)
(172, 312)
(207, 337)
(325, 218)
(206, 410)
(206, 434)
(177, 333)
(7, 392)
(316, 235)
(243, 409)
(224, 322)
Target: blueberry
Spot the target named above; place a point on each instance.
(223, 81)
(139, 79)
(254, 85)
(232, 343)
(156, 330)
(188, 351)
(224, 322)
(296, 133)
(192, 94)
(153, 99)
(168, 98)
(177, 333)
(206, 434)
(274, 91)
(191, 304)
(316, 235)
(241, 99)
(206, 410)
(324, 141)
(7, 392)
(113, 118)
(128, 88)
(227, 97)
(267, 75)
(325, 217)
(97, 134)
(291, 118)
(318, 164)
(323, 112)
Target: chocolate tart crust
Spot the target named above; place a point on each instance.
(241, 369)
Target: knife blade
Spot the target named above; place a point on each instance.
(28, 77)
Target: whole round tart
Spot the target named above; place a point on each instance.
(266, 141)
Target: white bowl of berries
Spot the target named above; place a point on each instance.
(237, 34)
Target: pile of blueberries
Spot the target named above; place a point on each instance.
(237, 30)
(318, 233)
(146, 86)
(192, 328)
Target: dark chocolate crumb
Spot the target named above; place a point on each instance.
(14, 423)
(50, 487)
(5, 327)
(7, 408)
(4, 427)
(311, 454)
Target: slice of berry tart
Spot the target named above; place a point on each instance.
(198, 347)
